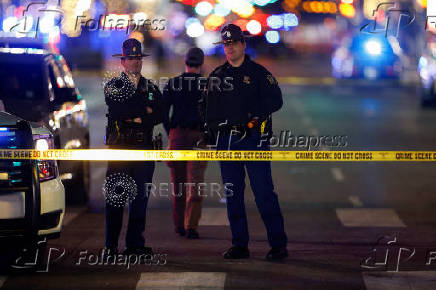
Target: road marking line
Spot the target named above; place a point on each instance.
(355, 201)
(181, 280)
(337, 174)
(2, 280)
(369, 217)
(214, 217)
(400, 280)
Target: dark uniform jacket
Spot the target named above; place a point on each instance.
(183, 94)
(125, 103)
(253, 92)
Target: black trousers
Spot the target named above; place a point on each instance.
(126, 183)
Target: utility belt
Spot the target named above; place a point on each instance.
(261, 128)
(130, 133)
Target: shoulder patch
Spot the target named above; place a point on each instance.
(271, 79)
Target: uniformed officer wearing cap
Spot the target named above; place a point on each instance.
(134, 108)
(239, 117)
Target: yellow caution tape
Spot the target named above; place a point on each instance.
(211, 155)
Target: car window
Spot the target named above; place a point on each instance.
(21, 81)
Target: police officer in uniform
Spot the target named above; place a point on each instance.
(134, 108)
(239, 116)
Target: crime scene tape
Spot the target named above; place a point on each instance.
(211, 155)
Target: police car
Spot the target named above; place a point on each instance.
(37, 86)
(32, 196)
(368, 57)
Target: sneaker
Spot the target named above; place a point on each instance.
(237, 253)
(138, 251)
(192, 234)
(277, 254)
(181, 231)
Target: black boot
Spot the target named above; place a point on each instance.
(181, 231)
(277, 254)
(237, 253)
(192, 234)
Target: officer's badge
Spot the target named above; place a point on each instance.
(262, 126)
(227, 34)
(150, 96)
(134, 48)
(271, 79)
(246, 80)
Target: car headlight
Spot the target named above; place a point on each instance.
(47, 169)
(373, 47)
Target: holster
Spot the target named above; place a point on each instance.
(121, 133)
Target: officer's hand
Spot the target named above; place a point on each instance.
(137, 120)
(149, 110)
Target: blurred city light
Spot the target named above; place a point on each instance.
(203, 8)
(195, 29)
(373, 47)
(289, 20)
(261, 2)
(275, 21)
(431, 12)
(82, 6)
(46, 24)
(207, 40)
(254, 27)
(272, 36)
(241, 7)
(213, 22)
(347, 10)
(139, 17)
(422, 3)
(221, 10)
(324, 7)
(190, 21)
(8, 23)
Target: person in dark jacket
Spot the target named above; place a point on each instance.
(134, 108)
(239, 115)
(182, 96)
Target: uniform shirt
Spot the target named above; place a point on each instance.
(183, 94)
(130, 106)
(255, 93)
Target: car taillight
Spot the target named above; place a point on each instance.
(47, 169)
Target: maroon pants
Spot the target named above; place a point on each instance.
(186, 177)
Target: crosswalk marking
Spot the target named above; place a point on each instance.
(369, 217)
(407, 280)
(214, 217)
(2, 280)
(181, 280)
(337, 174)
(355, 201)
